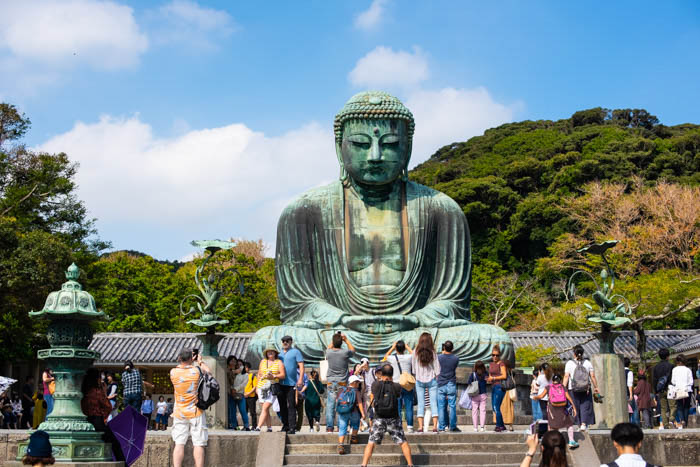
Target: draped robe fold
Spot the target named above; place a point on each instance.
(318, 296)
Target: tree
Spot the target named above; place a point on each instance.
(43, 228)
(12, 125)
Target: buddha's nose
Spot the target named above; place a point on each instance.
(374, 154)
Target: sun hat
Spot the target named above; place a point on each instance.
(354, 379)
(271, 349)
(39, 444)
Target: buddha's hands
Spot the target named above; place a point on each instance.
(439, 314)
(320, 315)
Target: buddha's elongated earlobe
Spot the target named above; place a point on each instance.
(339, 153)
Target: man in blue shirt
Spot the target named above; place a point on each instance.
(447, 387)
(294, 367)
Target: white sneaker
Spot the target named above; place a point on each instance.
(482, 429)
(317, 426)
(410, 429)
(476, 429)
(583, 427)
(661, 427)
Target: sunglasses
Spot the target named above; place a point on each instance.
(287, 341)
(495, 355)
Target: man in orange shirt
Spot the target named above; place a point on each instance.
(188, 419)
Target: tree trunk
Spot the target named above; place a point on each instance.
(641, 344)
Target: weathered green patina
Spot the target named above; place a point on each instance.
(70, 311)
(608, 303)
(375, 255)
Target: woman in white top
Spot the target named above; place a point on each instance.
(682, 381)
(427, 368)
(543, 381)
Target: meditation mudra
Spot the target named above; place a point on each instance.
(374, 255)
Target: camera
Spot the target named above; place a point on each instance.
(195, 353)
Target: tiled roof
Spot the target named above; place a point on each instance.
(693, 343)
(625, 344)
(158, 347)
(162, 348)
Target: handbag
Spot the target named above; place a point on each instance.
(323, 371)
(52, 387)
(513, 394)
(276, 389)
(473, 387)
(406, 380)
(509, 382)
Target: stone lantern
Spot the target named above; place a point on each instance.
(70, 311)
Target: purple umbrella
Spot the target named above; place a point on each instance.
(129, 428)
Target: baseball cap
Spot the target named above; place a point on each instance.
(354, 379)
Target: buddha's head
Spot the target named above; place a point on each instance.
(373, 138)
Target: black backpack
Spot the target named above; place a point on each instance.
(386, 405)
(207, 390)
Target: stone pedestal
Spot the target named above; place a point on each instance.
(610, 373)
(217, 414)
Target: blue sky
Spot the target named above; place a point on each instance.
(203, 119)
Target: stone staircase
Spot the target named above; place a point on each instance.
(444, 449)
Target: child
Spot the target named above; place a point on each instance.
(349, 413)
(147, 409)
(534, 390)
(169, 412)
(161, 414)
(479, 400)
(557, 412)
(643, 393)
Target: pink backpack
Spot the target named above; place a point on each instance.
(557, 395)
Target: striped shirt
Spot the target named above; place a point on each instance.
(273, 368)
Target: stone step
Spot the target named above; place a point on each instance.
(466, 437)
(462, 419)
(417, 465)
(419, 448)
(439, 458)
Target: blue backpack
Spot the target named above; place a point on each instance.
(345, 401)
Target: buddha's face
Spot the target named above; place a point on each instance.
(375, 152)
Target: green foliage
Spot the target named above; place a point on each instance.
(141, 294)
(513, 183)
(530, 356)
(43, 228)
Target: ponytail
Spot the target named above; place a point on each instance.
(553, 450)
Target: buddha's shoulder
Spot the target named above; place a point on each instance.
(314, 197)
(436, 198)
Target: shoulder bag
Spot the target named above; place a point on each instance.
(509, 382)
(406, 380)
(473, 387)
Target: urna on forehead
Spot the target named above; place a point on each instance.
(375, 105)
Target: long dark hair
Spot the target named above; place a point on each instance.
(553, 450)
(91, 380)
(425, 350)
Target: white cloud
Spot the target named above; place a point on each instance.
(449, 115)
(442, 115)
(372, 16)
(231, 176)
(185, 23)
(382, 67)
(64, 33)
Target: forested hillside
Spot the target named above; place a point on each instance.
(534, 191)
